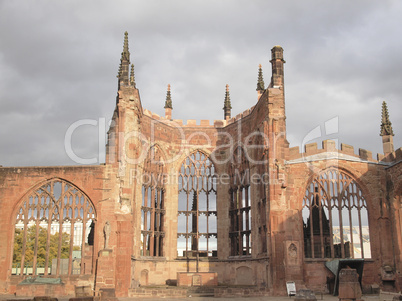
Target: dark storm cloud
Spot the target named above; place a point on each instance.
(58, 65)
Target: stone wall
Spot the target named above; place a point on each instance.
(277, 244)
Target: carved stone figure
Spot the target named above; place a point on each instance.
(292, 254)
(106, 233)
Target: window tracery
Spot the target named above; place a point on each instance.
(197, 224)
(335, 218)
(153, 202)
(240, 204)
(53, 231)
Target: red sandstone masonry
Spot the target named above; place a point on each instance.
(330, 146)
(157, 292)
(206, 279)
(117, 198)
(233, 292)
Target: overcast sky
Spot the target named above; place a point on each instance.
(59, 60)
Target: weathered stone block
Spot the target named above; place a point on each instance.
(349, 286)
(107, 292)
(305, 295)
(83, 291)
(81, 299)
(44, 298)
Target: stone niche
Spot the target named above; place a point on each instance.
(197, 279)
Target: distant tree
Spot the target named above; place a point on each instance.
(42, 243)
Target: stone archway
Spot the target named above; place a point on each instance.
(335, 217)
(54, 226)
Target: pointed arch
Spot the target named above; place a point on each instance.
(158, 152)
(153, 203)
(184, 154)
(335, 217)
(240, 204)
(54, 222)
(197, 219)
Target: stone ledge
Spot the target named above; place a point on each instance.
(157, 292)
(241, 292)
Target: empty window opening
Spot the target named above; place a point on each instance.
(152, 209)
(335, 218)
(54, 232)
(197, 228)
(240, 205)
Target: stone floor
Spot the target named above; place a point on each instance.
(381, 297)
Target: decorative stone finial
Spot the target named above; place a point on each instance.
(119, 72)
(124, 68)
(132, 77)
(168, 102)
(125, 55)
(227, 105)
(386, 126)
(260, 82)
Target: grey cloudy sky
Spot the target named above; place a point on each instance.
(59, 60)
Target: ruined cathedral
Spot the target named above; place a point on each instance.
(224, 204)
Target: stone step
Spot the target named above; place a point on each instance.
(201, 295)
(205, 291)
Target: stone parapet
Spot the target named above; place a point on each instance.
(346, 152)
(203, 122)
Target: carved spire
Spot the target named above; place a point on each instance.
(125, 55)
(132, 77)
(123, 74)
(386, 125)
(227, 105)
(260, 82)
(168, 102)
(386, 131)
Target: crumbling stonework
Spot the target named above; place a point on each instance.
(227, 198)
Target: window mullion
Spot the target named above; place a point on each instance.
(331, 232)
(188, 213)
(61, 218)
(320, 209)
(350, 198)
(311, 202)
(84, 228)
(152, 222)
(35, 257)
(48, 232)
(70, 257)
(359, 201)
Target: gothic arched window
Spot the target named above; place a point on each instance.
(335, 218)
(54, 231)
(197, 225)
(152, 209)
(240, 204)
